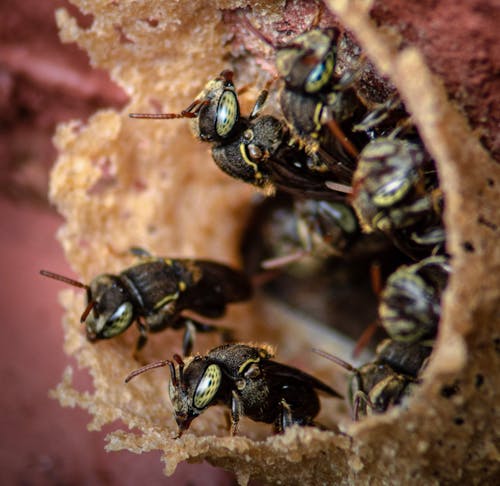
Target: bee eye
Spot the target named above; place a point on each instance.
(320, 75)
(343, 216)
(119, 320)
(207, 387)
(392, 192)
(227, 113)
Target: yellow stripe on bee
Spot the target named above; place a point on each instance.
(253, 165)
(246, 363)
(166, 300)
(317, 116)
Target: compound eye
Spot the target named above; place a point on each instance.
(320, 75)
(342, 215)
(119, 320)
(227, 113)
(392, 192)
(207, 387)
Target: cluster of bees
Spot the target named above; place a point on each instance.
(356, 172)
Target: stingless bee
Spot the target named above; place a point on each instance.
(257, 149)
(374, 387)
(318, 229)
(410, 303)
(155, 292)
(245, 379)
(395, 191)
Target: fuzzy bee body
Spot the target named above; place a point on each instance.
(153, 294)
(410, 304)
(245, 379)
(395, 192)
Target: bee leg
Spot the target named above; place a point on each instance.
(189, 337)
(378, 115)
(141, 340)
(285, 418)
(359, 397)
(193, 326)
(236, 412)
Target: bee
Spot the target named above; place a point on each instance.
(257, 149)
(410, 303)
(313, 99)
(245, 379)
(374, 387)
(320, 229)
(215, 112)
(155, 292)
(320, 96)
(395, 191)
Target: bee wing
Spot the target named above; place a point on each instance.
(232, 284)
(288, 171)
(290, 374)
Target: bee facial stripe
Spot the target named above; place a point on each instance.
(317, 116)
(247, 363)
(253, 165)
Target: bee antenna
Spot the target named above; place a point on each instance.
(151, 366)
(190, 112)
(335, 359)
(161, 116)
(64, 279)
(257, 32)
(87, 310)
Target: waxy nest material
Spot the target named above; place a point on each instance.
(121, 182)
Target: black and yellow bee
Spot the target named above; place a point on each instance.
(410, 303)
(376, 386)
(257, 149)
(155, 292)
(246, 380)
(395, 191)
